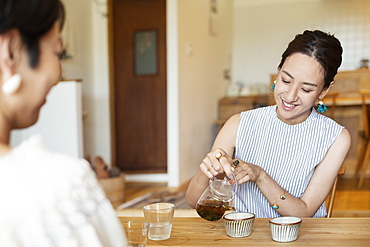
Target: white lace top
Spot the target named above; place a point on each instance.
(50, 199)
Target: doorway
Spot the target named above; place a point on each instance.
(139, 88)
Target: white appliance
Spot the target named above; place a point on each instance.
(60, 121)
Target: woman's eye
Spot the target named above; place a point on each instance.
(306, 90)
(286, 82)
(61, 55)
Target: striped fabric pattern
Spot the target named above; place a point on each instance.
(288, 153)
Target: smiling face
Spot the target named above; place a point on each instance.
(299, 84)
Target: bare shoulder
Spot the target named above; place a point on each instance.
(233, 121)
(226, 138)
(345, 134)
(344, 140)
(338, 150)
(231, 126)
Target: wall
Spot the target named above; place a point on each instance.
(262, 32)
(254, 34)
(202, 59)
(88, 40)
(195, 81)
(173, 150)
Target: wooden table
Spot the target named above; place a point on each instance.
(195, 231)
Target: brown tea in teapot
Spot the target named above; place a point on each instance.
(212, 210)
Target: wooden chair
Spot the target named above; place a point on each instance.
(332, 98)
(364, 156)
(331, 196)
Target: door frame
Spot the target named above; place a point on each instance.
(173, 146)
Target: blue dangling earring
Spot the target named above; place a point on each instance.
(273, 86)
(322, 107)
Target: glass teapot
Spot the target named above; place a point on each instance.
(217, 198)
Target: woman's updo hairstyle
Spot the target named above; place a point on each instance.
(325, 48)
(33, 19)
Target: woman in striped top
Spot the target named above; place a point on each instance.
(288, 154)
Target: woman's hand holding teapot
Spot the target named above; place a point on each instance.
(245, 172)
(218, 163)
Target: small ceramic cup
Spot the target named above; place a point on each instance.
(285, 229)
(238, 224)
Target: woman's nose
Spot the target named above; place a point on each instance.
(291, 94)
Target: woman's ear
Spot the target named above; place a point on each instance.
(10, 49)
(325, 91)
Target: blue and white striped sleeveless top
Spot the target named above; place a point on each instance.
(288, 153)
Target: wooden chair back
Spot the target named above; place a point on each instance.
(363, 158)
(365, 112)
(331, 196)
(332, 98)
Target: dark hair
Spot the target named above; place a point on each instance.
(33, 19)
(325, 48)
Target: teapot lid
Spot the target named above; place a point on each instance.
(221, 189)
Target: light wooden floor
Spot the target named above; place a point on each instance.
(349, 201)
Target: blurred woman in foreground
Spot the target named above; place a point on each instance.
(47, 199)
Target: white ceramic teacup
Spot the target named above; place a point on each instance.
(238, 224)
(285, 229)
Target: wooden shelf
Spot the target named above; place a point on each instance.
(229, 106)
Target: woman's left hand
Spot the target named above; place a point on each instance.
(245, 172)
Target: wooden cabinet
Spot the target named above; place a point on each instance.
(229, 106)
(347, 83)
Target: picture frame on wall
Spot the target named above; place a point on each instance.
(146, 52)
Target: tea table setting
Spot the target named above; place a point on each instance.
(215, 222)
(188, 229)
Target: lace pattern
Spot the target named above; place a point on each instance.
(55, 201)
